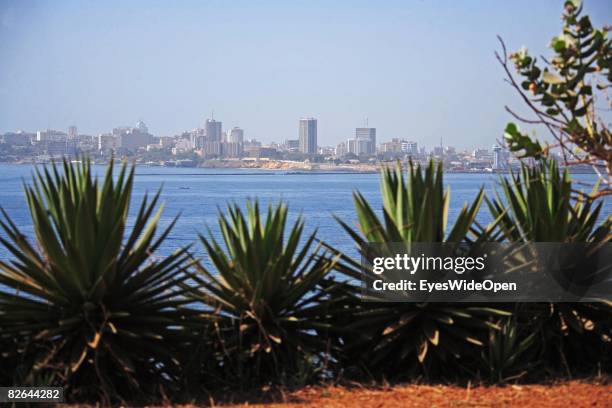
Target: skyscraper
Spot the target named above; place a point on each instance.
(308, 135)
(214, 130)
(366, 134)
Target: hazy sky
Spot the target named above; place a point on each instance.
(416, 69)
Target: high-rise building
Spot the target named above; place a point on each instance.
(366, 134)
(499, 160)
(214, 130)
(236, 135)
(308, 135)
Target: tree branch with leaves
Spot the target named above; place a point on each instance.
(567, 95)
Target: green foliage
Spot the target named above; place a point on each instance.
(399, 338)
(89, 308)
(520, 143)
(86, 305)
(565, 91)
(506, 356)
(414, 209)
(537, 206)
(264, 294)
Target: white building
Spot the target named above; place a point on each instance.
(499, 158)
(409, 147)
(236, 135)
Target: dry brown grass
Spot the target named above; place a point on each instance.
(572, 394)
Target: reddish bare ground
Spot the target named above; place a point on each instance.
(572, 394)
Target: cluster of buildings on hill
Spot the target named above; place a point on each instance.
(210, 141)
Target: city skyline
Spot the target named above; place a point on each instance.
(210, 145)
(211, 125)
(418, 70)
(236, 134)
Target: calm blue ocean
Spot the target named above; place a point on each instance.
(199, 194)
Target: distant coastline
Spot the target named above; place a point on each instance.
(286, 166)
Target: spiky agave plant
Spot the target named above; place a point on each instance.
(507, 355)
(539, 204)
(86, 305)
(402, 338)
(262, 289)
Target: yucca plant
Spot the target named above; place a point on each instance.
(399, 338)
(539, 204)
(506, 357)
(86, 305)
(262, 289)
